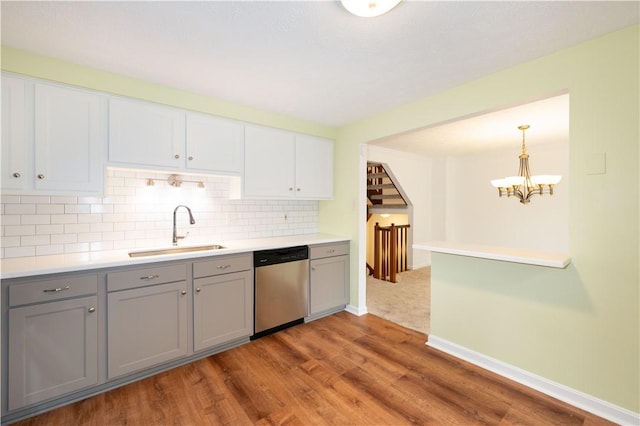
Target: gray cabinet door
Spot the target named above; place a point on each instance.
(53, 350)
(329, 279)
(146, 326)
(222, 309)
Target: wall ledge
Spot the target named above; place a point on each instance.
(556, 390)
(507, 254)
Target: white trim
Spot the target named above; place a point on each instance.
(566, 394)
(355, 310)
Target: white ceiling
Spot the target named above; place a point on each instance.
(548, 120)
(307, 59)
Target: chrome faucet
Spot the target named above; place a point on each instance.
(192, 221)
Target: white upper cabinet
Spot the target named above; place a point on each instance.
(269, 163)
(214, 144)
(145, 134)
(14, 170)
(69, 139)
(53, 138)
(280, 164)
(314, 167)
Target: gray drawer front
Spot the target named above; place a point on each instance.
(142, 277)
(52, 289)
(222, 265)
(328, 250)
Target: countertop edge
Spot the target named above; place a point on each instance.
(507, 254)
(21, 267)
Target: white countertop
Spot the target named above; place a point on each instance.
(38, 265)
(531, 257)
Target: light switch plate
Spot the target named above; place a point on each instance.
(597, 163)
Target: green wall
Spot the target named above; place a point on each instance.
(578, 326)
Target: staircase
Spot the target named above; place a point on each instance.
(383, 195)
(391, 244)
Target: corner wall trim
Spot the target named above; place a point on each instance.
(559, 391)
(355, 310)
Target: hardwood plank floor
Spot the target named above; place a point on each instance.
(338, 370)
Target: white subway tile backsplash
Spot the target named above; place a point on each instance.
(133, 215)
(20, 251)
(19, 209)
(19, 230)
(34, 240)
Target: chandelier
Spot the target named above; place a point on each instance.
(524, 186)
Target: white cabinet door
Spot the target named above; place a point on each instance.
(329, 283)
(146, 326)
(222, 309)
(314, 167)
(69, 139)
(269, 163)
(214, 144)
(53, 350)
(146, 135)
(14, 173)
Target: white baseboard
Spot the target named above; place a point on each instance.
(566, 394)
(356, 310)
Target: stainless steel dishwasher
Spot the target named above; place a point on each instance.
(281, 288)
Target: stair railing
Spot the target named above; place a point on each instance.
(390, 251)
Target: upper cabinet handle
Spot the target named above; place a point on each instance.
(40, 176)
(16, 175)
(176, 156)
(55, 290)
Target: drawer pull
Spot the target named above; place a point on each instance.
(223, 266)
(183, 292)
(198, 290)
(92, 309)
(331, 251)
(150, 277)
(55, 290)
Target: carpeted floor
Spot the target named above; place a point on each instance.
(407, 302)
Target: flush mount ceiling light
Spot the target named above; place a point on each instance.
(524, 186)
(369, 8)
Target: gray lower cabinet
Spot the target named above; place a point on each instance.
(222, 300)
(329, 280)
(52, 339)
(146, 324)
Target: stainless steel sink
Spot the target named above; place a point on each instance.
(174, 250)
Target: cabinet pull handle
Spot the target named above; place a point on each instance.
(298, 189)
(16, 175)
(223, 266)
(313, 269)
(190, 158)
(149, 277)
(55, 290)
(40, 176)
(331, 251)
(198, 290)
(290, 189)
(176, 156)
(183, 292)
(92, 309)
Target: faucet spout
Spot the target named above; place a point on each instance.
(192, 221)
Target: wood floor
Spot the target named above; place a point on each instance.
(342, 369)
